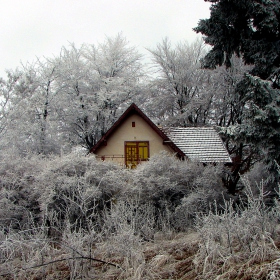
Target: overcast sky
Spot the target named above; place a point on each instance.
(38, 28)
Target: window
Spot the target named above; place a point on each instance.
(135, 152)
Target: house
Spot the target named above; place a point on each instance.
(134, 138)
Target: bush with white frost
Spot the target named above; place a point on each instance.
(80, 189)
(168, 182)
(207, 190)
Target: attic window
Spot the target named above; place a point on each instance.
(133, 124)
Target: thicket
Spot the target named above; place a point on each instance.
(82, 191)
(64, 213)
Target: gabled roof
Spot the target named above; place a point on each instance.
(131, 110)
(199, 143)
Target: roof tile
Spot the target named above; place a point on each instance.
(198, 143)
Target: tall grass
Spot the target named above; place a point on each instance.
(238, 237)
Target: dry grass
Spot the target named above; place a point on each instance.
(164, 258)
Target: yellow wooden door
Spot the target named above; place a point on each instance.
(135, 152)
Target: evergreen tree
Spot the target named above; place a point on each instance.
(250, 29)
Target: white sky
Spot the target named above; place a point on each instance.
(37, 28)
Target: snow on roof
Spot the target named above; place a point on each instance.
(198, 143)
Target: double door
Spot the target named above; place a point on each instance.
(135, 152)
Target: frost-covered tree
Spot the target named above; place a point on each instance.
(180, 94)
(227, 110)
(56, 103)
(115, 73)
(30, 122)
(6, 96)
(99, 81)
(76, 104)
(250, 29)
(227, 106)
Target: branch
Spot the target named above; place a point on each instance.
(73, 258)
(67, 259)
